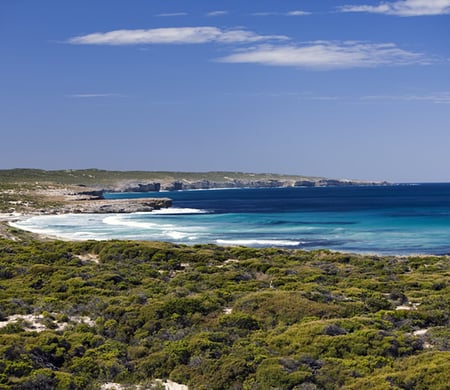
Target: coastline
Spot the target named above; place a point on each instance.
(260, 232)
(76, 206)
(15, 233)
(10, 232)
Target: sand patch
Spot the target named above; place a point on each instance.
(88, 257)
(37, 322)
(168, 385)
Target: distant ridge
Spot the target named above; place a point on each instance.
(146, 181)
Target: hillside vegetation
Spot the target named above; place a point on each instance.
(99, 177)
(219, 318)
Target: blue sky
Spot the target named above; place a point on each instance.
(336, 88)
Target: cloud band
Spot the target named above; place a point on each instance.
(174, 35)
(326, 55)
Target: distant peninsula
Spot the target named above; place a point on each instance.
(147, 181)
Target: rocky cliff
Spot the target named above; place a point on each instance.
(179, 185)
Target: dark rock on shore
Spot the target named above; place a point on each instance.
(174, 186)
(140, 187)
(91, 195)
(107, 206)
(346, 183)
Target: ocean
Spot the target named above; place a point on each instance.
(394, 219)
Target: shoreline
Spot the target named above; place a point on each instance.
(7, 219)
(6, 233)
(75, 205)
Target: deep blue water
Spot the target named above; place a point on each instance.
(400, 219)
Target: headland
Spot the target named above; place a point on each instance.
(32, 191)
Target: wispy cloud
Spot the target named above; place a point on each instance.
(292, 95)
(290, 13)
(325, 55)
(297, 13)
(174, 35)
(433, 98)
(93, 95)
(265, 13)
(437, 97)
(168, 15)
(403, 8)
(217, 13)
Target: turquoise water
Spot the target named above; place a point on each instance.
(404, 219)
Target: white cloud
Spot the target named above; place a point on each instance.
(173, 14)
(404, 8)
(438, 98)
(326, 55)
(217, 13)
(174, 35)
(289, 94)
(298, 13)
(434, 98)
(290, 13)
(265, 13)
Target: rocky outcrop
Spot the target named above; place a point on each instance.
(173, 186)
(140, 187)
(343, 183)
(305, 183)
(90, 195)
(107, 206)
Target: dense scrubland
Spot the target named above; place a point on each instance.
(219, 318)
(99, 176)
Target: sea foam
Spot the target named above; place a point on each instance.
(174, 211)
(383, 220)
(119, 220)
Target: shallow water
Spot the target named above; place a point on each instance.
(403, 219)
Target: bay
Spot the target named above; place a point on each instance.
(394, 219)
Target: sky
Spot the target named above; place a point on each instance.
(335, 88)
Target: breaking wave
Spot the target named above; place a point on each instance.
(383, 220)
(177, 211)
